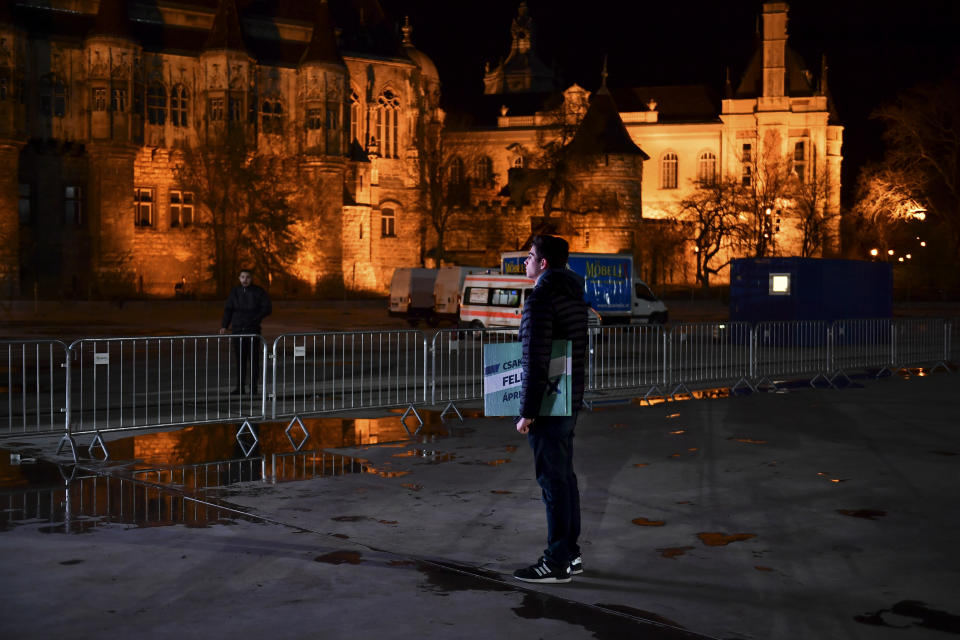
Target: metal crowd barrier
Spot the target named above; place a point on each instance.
(33, 383)
(627, 357)
(106, 384)
(457, 363)
(790, 349)
(136, 383)
(323, 372)
(709, 354)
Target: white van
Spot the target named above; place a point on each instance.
(496, 300)
(493, 300)
(447, 289)
(411, 293)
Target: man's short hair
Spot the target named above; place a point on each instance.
(553, 249)
(250, 271)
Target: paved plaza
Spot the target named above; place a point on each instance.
(803, 513)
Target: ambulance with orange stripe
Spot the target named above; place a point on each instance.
(493, 300)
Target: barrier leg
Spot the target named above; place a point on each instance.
(69, 441)
(403, 420)
(443, 414)
(98, 443)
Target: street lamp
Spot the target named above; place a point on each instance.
(889, 252)
(874, 252)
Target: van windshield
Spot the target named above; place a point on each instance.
(644, 292)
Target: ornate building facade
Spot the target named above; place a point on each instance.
(100, 99)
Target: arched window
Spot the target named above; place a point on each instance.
(707, 168)
(356, 123)
(178, 105)
(388, 109)
(455, 171)
(484, 171)
(156, 104)
(518, 162)
(388, 222)
(271, 115)
(668, 171)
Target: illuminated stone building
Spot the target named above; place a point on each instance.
(99, 98)
(689, 134)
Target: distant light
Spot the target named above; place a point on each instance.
(909, 257)
(696, 249)
(900, 258)
(873, 252)
(923, 244)
(889, 252)
(769, 211)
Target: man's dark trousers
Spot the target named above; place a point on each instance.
(551, 438)
(247, 350)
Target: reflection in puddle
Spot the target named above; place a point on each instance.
(433, 457)
(673, 552)
(748, 440)
(723, 539)
(643, 522)
(340, 557)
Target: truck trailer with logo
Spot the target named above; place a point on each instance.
(610, 286)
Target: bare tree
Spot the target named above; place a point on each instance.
(810, 208)
(923, 151)
(713, 213)
(245, 207)
(766, 195)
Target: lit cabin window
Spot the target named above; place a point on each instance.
(780, 284)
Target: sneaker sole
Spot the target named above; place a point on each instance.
(576, 572)
(544, 580)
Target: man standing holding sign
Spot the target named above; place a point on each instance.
(555, 310)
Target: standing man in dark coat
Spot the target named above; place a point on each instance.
(555, 310)
(247, 305)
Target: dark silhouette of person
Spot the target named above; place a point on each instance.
(246, 307)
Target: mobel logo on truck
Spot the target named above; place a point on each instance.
(596, 270)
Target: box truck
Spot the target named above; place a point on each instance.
(447, 289)
(411, 293)
(610, 286)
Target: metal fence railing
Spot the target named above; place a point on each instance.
(324, 372)
(33, 383)
(105, 384)
(799, 349)
(134, 383)
(709, 354)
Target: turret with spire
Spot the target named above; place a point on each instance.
(227, 73)
(522, 71)
(322, 89)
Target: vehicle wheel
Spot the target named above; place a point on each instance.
(433, 320)
(476, 324)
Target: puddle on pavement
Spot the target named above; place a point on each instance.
(611, 622)
(340, 557)
(867, 514)
(443, 578)
(912, 613)
(673, 552)
(719, 539)
(824, 474)
(747, 440)
(639, 613)
(697, 394)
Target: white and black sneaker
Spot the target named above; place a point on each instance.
(576, 566)
(541, 572)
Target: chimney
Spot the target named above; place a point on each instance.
(774, 48)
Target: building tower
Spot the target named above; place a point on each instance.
(114, 129)
(322, 94)
(226, 75)
(12, 139)
(522, 71)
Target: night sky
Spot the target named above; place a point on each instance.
(874, 49)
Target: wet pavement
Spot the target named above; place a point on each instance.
(805, 513)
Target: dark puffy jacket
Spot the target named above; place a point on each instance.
(555, 310)
(245, 308)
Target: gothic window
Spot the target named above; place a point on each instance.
(518, 162)
(99, 99)
(314, 119)
(236, 109)
(388, 110)
(156, 104)
(333, 128)
(707, 168)
(271, 116)
(143, 206)
(355, 121)
(455, 171)
(216, 109)
(484, 171)
(178, 105)
(73, 205)
(800, 159)
(388, 223)
(118, 100)
(668, 171)
(181, 208)
(53, 97)
(746, 164)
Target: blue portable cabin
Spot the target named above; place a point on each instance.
(809, 289)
